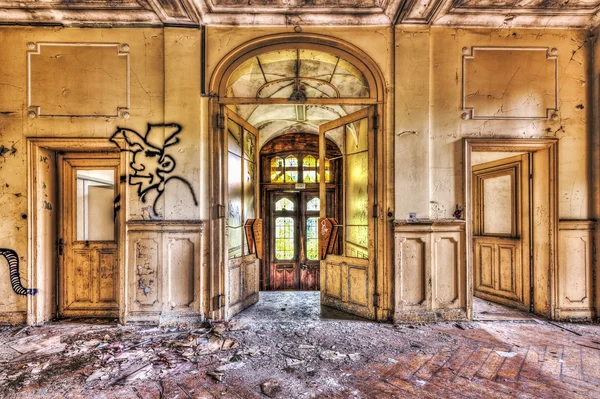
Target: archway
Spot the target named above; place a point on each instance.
(285, 84)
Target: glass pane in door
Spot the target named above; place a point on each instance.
(312, 238)
(95, 205)
(284, 238)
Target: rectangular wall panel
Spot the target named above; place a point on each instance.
(446, 250)
(166, 272)
(180, 266)
(575, 269)
(412, 264)
(430, 273)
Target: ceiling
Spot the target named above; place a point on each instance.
(460, 13)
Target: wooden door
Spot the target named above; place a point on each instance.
(501, 231)
(241, 199)
(348, 271)
(293, 234)
(89, 240)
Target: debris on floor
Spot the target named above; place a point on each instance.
(300, 353)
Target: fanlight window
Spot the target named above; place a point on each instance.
(309, 169)
(277, 170)
(314, 204)
(297, 74)
(289, 170)
(284, 204)
(327, 171)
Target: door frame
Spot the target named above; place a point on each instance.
(544, 151)
(217, 97)
(41, 247)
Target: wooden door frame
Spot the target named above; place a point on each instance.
(42, 307)
(542, 150)
(218, 97)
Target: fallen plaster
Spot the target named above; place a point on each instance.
(283, 347)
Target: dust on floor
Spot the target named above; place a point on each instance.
(285, 347)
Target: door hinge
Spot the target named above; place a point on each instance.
(376, 211)
(60, 245)
(218, 302)
(376, 300)
(375, 122)
(220, 121)
(219, 211)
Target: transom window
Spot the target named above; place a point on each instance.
(291, 170)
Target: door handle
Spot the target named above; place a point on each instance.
(303, 266)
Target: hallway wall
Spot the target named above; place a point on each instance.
(423, 125)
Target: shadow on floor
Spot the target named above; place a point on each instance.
(484, 310)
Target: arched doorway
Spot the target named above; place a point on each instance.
(291, 84)
(290, 208)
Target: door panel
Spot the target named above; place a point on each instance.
(241, 192)
(89, 264)
(348, 281)
(501, 231)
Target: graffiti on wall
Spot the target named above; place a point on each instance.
(153, 168)
(15, 278)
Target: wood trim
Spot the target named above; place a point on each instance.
(73, 145)
(514, 145)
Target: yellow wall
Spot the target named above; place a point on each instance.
(423, 149)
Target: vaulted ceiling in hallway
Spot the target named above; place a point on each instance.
(479, 13)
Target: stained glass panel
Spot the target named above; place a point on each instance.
(291, 169)
(309, 169)
(327, 171)
(284, 204)
(314, 204)
(312, 238)
(277, 170)
(284, 238)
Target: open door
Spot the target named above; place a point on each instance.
(347, 247)
(242, 229)
(501, 231)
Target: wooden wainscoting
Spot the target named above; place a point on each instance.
(166, 272)
(430, 278)
(575, 260)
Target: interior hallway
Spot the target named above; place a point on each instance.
(285, 340)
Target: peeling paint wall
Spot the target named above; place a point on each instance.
(423, 124)
(447, 127)
(86, 83)
(595, 153)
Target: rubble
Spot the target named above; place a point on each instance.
(263, 353)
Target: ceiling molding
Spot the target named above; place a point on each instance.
(454, 13)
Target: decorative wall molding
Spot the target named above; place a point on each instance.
(419, 12)
(437, 261)
(165, 269)
(36, 110)
(520, 7)
(472, 113)
(575, 269)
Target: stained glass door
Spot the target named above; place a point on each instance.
(348, 273)
(293, 259)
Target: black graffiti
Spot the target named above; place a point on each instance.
(150, 163)
(15, 278)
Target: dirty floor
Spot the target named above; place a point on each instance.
(284, 347)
